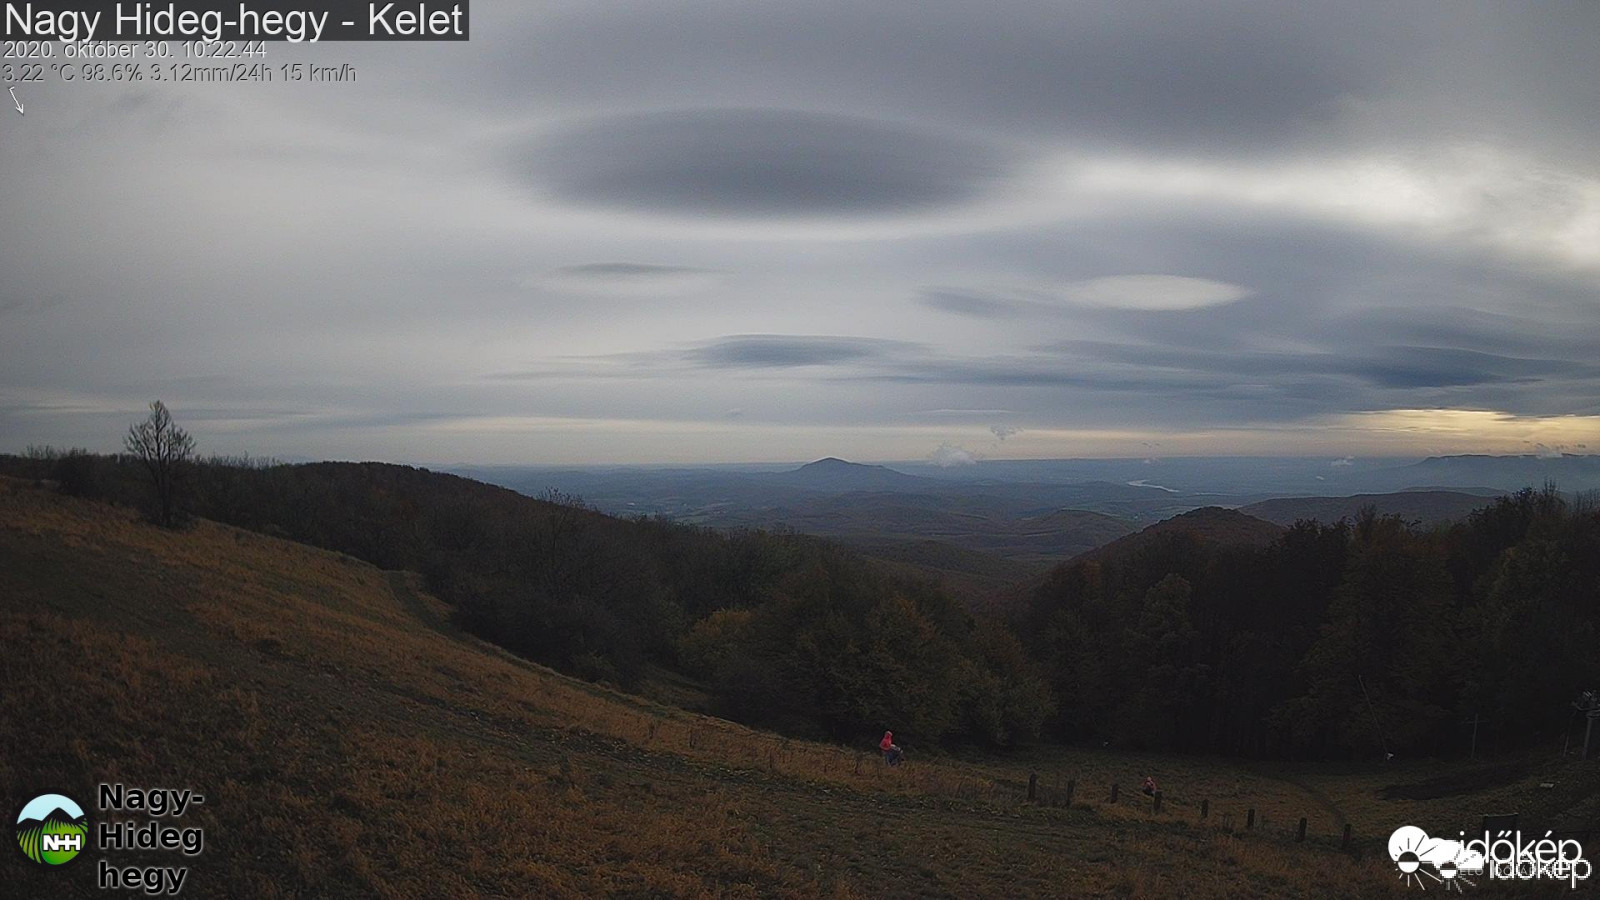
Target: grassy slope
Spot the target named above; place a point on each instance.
(350, 743)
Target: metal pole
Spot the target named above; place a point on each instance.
(1475, 721)
(1382, 741)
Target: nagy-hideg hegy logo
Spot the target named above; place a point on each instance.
(52, 829)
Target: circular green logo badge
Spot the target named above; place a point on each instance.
(52, 829)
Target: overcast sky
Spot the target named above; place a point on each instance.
(714, 231)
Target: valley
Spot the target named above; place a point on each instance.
(340, 729)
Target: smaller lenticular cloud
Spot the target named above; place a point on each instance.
(1343, 461)
(626, 279)
(1154, 293)
(949, 456)
(783, 351)
(969, 303)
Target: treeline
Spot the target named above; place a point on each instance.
(1354, 638)
(789, 632)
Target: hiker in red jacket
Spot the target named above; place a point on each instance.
(891, 751)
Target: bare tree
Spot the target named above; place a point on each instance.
(164, 450)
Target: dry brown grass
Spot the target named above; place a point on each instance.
(350, 743)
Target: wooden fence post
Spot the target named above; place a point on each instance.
(1113, 792)
(1205, 808)
(1344, 842)
(1300, 833)
(1072, 785)
(1250, 819)
(1157, 806)
(1033, 786)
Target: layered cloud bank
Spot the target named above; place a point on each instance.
(890, 232)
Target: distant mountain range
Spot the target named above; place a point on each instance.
(1135, 489)
(984, 524)
(710, 495)
(1259, 478)
(1570, 472)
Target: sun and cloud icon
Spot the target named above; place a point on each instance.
(1415, 853)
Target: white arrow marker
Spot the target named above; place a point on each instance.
(16, 101)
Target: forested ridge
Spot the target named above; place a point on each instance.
(1345, 639)
(787, 631)
(1357, 637)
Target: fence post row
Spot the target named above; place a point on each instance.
(1057, 798)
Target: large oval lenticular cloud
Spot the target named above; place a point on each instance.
(760, 164)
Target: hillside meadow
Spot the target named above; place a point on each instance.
(351, 742)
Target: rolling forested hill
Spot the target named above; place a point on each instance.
(351, 742)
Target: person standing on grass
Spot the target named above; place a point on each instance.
(891, 750)
(1149, 786)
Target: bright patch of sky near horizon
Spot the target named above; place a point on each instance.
(697, 232)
